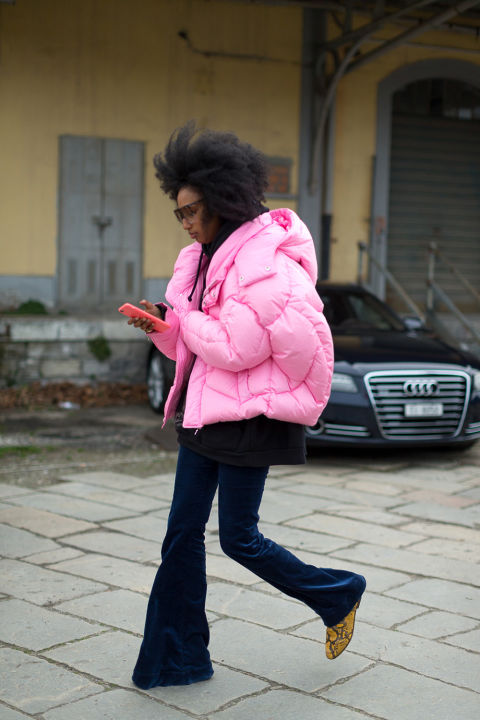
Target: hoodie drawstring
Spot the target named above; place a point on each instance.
(190, 297)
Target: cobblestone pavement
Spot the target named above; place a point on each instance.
(79, 554)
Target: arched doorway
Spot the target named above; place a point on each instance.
(427, 176)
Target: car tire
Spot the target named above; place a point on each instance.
(157, 381)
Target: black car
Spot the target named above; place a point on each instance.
(392, 386)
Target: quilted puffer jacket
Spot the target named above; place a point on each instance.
(261, 344)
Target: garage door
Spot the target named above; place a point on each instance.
(435, 195)
(100, 222)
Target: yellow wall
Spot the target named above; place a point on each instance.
(356, 111)
(115, 68)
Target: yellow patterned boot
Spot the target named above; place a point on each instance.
(338, 636)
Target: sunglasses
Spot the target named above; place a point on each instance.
(187, 212)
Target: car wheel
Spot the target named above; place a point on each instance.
(157, 385)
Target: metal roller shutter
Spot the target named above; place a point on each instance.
(434, 195)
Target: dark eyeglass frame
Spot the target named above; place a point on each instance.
(186, 212)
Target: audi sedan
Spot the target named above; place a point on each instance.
(394, 385)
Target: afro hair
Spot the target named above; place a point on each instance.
(231, 175)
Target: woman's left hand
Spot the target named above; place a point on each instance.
(144, 323)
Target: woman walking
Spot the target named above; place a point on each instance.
(254, 360)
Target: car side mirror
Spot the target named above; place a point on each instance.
(413, 322)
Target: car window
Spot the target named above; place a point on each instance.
(354, 311)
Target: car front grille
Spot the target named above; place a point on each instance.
(392, 391)
(473, 428)
(321, 428)
(346, 430)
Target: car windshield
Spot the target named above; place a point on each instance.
(350, 312)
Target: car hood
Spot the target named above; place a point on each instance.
(394, 347)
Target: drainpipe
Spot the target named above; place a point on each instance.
(310, 201)
(327, 195)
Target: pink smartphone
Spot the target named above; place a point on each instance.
(134, 312)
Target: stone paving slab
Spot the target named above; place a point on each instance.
(36, 628)
(7, 713)
(285, 659)
(287, 705)
(159, 477)
(441, 530)
(162, 492)
(116, 705)
(43, 522)
(163, 514)
(468, 640)
(53, 556)
(439, 498)
(375, 517)
(318, 474)
(72, 507)
(296, 540)
(437, 624)
(378, 579)
(16, 543)
(413, 562)
(344, 496)
(455, 549)
(9, 491)
(35, 685)
(160, 488)
(121, 609)
(470, 517)
(432, 659)
(113, 571)
(148, 527)
(109, 657)
(392, 693)
(441, 594)
(378, 488)
(223, 568)
(355, 530)
(473, 493)
(116, 544)
(95, 493)
(386, 612)
(245, 604)
(42, 586)
(203, 698)
(299, 539)
(277, 506)
(413, 480)
(108, 479)
(440, 473)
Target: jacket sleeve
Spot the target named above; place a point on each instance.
(166, 341)
(300, 338)
(236, 341)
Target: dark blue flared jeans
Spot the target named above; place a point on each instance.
(174, 650)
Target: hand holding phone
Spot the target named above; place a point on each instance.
(143, 319)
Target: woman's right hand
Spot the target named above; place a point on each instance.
(144, 323)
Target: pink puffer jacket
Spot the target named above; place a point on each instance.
(262, 344)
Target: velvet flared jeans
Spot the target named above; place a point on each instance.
(174, 650)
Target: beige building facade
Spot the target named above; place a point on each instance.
(90, 90)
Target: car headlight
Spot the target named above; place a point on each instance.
(344, 383)
(476, 381)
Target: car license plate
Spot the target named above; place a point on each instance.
(423, 410)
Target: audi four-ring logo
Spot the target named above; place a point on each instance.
(420, 388)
